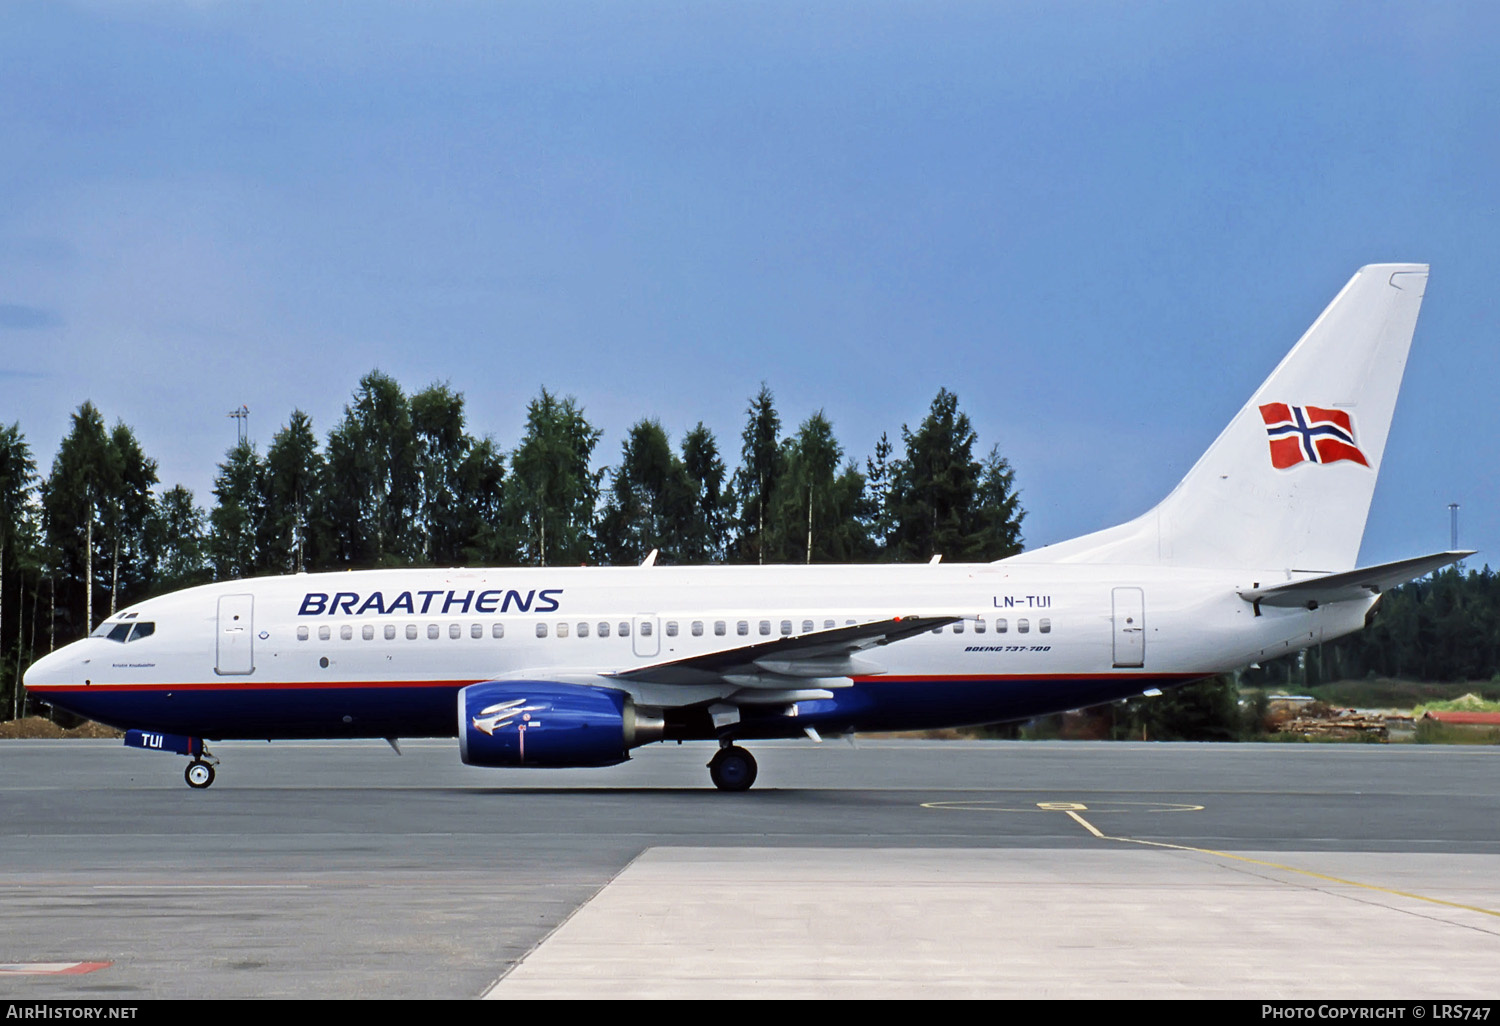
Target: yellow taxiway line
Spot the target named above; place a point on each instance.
(1073, 813)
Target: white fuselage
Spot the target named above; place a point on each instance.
(1022, 624)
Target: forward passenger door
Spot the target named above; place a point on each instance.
(236, 647)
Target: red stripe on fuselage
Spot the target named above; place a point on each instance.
(909, 678)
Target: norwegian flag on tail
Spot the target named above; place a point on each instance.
(1309, 434)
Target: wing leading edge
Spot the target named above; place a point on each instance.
(822, 655)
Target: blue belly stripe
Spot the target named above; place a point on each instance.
(429, 709)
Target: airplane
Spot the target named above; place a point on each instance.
(1252, 556)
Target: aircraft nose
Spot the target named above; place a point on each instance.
(51, 669)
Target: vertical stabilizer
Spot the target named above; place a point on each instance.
(1288, 483)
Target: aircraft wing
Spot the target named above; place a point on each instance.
(824, 654)
(1351, 584)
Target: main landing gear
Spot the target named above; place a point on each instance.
(732, 768)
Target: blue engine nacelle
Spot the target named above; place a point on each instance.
(544, 723)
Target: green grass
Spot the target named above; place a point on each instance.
(1430, 732)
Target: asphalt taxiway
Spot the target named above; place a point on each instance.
(898, 868)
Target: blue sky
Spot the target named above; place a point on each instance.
(1101, 224)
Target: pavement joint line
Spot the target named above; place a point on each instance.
(1277, 865)
(484, 995)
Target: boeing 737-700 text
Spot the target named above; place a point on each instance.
(1251, 556)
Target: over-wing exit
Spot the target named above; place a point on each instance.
(1251, 556)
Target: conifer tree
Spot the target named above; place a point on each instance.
(713, 505)
(74, 498)
(943, 501)
(762, 462)
(293, 481)
(17, 481)
(372, 502)
(555, 490)
(237, 516)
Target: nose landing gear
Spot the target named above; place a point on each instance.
(199, 774)
(732, 768)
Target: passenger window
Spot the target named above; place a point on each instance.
(476, 630)
(720, 628)
(583, 630)
(432, 632)
(1000, 625)
(765, 626)
(828, 625)
(603, 629)
(742, 628)
(979, 625)
(562, 630)
(323, 633)
(624, 628)
(390, 632)
(368, 632)
(645, 628)
(958, 627)
(497, 630)
(697, 628)
(411, 632)
(671, 628)
(807, 626)
(1044, 625)
(786, 627)
(455, 631)
(347, 632)
(1023, 625)
(301, 633)
(541, 630)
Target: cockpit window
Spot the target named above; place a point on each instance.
(122, 633)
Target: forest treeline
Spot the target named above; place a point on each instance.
(400, 480)
(1445, 627)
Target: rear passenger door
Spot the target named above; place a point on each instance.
(1130, 627)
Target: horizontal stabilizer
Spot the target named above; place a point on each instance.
(1351, 584)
